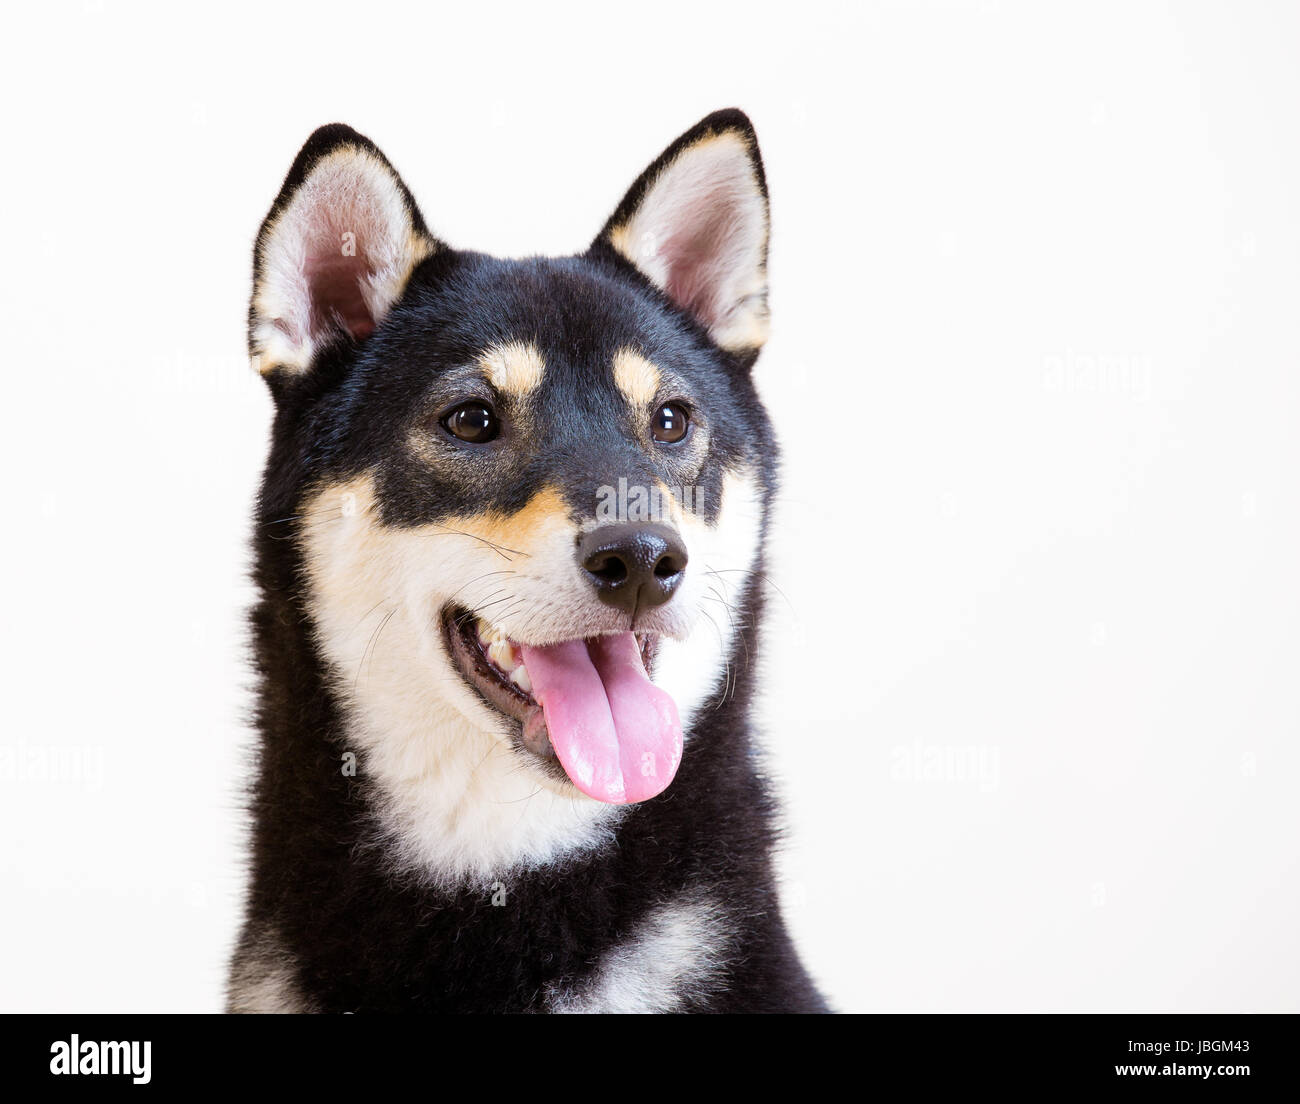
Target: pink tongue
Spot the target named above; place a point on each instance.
(616, 734)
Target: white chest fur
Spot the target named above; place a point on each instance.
(674, 955)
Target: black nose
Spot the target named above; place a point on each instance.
(633, 567)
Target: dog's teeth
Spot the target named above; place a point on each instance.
(489, 634)
(502, 654)
(519, 676)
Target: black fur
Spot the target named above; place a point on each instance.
(363, 937)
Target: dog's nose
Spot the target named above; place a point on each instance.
(633, 567)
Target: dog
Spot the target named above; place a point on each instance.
(509, 555)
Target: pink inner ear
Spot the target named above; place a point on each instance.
(336, 298)
(336, 258)
(696, 254)
(700, 234)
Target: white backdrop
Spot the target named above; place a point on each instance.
(1031, 680)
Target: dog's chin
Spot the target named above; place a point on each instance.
(492, 666)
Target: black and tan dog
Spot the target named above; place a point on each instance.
(510, 547)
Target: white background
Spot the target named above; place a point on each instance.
(1031, 688)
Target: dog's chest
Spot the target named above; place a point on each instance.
(673, 959)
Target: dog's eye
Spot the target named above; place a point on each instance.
(473, 422)
(669, 424)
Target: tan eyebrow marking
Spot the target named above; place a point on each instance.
(514, 368)
(636, 377)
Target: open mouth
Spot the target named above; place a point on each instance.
(587, 705)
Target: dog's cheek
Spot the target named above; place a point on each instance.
(375, 592)
(519, 571)
(721, 558)
(354, 568)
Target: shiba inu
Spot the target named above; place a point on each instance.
(509, 547)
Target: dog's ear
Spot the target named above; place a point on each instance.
(696, 224)
(335, 252)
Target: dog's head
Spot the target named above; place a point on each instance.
(527, 494)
